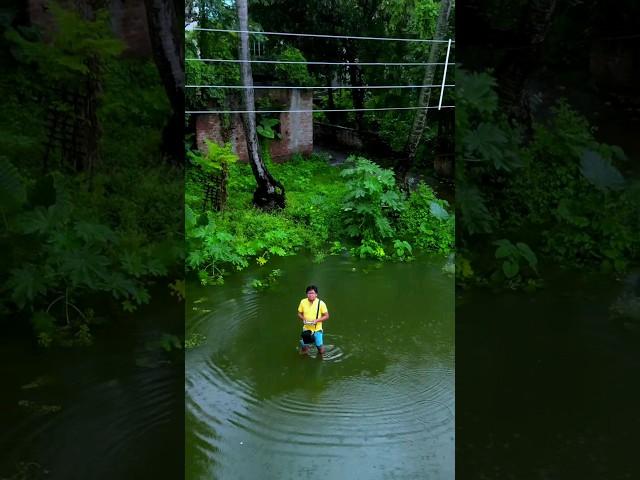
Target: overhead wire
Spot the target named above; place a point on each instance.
(216, 60)
(324, 87)
(307, 62)
(317, 111)
(348, 37)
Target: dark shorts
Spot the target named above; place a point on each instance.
(316, 338)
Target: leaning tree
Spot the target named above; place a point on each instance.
(269, 193)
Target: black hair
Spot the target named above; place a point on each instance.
(312, 287)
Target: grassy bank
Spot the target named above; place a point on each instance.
(354, 208)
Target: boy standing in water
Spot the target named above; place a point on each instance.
(312, 311)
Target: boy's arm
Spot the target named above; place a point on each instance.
(324, 317)
(301, 316)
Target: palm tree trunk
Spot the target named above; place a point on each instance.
(420, 120)
(269, 193)
(522, 62)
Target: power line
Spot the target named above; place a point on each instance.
(320, 36)
(224, 60)
(318, 111)
(347, 87)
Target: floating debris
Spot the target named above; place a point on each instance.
(39, 408)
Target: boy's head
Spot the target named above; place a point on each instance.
(312, 292)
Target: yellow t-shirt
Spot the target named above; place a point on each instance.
(308, 310)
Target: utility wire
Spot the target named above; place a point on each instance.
(347, 87)
(320, 36)
(317, 111)
(224, 60)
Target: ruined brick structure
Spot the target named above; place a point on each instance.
(296, 129)
(128, 20)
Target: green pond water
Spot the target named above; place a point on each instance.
(380, 404)
(547, 382)
(114, 410)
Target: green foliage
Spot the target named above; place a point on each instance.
(336, 247)
(205, 45)
(132, 113)
(194, 340)
(403, 249)
(177, 289)
(426, 221)
(370, 201)
(76, 44)
(600, 172)
(267, 282)
(369, 249)
(210, 247)
(292, 74)
(571, 175)
(77, 243)
(215, 159)
(208, 172)
(512, 256)
(488, 145)
(317, 193)
(560, 190)
(65, 251)
(266, 128)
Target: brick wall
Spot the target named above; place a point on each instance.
(209, 126)
(296, 129)
(128, 20)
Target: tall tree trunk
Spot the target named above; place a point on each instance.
(520, 63)
(357, 95)
(269, 193)
(165, 31)
(420, 120)
(355, 78)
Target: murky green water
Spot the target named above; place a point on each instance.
(547, 384)
(110, 411)
(379, 405)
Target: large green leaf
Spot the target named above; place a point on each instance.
(475, 214)
(85, 268)
(438, 211)
(510, 268)
(40, 220)
(528, 254)
(505, 248)
(94, 232)
(25, 283)
(600, 172)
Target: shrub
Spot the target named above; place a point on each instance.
(370, 201)
(426, 222)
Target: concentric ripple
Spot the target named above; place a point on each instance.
(378, 404)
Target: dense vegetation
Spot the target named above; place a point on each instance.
(406, 19)
(534, 185)
(86, 240)
(354, 208)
